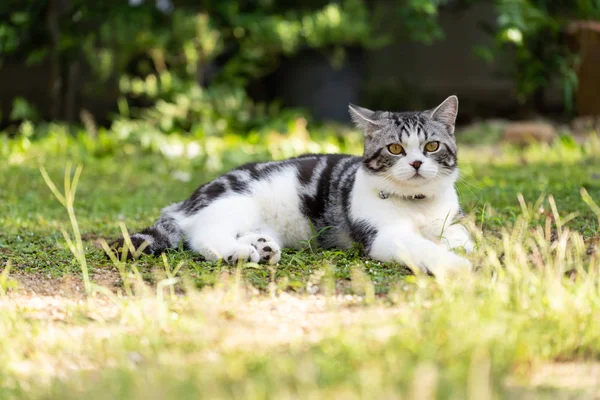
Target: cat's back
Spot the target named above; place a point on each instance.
(308, 177)
(308, 166)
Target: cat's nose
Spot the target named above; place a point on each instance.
(416, 164)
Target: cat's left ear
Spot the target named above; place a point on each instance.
(362, 118)
(446, 112)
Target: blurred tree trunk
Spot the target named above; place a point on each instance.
(586, 35)
(60, 75)
(72, 91)
(56, 83)
(540, 52)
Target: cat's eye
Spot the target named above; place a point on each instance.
(432, 146)
(395, 148)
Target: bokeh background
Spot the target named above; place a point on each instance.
(238, 66)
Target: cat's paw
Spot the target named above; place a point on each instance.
(469, 246)
(243, 253)
(450, 265)
(268, 249)
(456, 236)
(458, 263)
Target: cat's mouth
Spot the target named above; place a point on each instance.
(416, 176)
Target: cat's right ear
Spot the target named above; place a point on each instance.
(362, 118)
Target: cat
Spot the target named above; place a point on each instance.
(398, 200)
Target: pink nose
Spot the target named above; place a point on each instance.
(416, 164)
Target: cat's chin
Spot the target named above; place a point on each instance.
(417, 179)
(428, 187)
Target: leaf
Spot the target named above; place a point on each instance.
(19, 18)
(36, 56)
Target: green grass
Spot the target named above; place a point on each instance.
(322, 324)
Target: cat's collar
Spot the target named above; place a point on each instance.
(383, 195)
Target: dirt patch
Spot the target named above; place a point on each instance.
(56, 308)
(66, 286)
(258, 322)
(108, 278)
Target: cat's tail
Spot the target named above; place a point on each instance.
(166, 233)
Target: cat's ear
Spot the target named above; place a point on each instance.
(362, 118)
(446, 112)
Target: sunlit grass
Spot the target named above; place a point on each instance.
(534, 300)
(322, 324)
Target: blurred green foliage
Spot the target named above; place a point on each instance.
(537, 32)
(186, 65)
(183, 65)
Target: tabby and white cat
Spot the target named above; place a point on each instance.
(397, 200)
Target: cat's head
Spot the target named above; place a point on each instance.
(413, 149)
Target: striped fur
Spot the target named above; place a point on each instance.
(253, 211)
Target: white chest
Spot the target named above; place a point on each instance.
(428, 216)
(432, 219)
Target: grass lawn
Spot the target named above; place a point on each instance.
(322, 324)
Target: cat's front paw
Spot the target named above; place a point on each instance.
(450, 264)
(458, 263)
(456, 236)
(268, 249)
(469, 246)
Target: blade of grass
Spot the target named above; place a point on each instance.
(67, 200)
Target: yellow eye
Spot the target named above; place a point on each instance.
(432, 146)
(395, 148)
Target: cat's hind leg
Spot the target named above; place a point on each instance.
(220, 244)
(228, 230)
